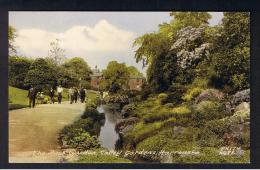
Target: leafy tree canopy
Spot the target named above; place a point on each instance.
(17, 70)
(40, 74)
(115, 75)
(12, 34)
(133, 71)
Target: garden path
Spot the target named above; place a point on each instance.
(33, 132)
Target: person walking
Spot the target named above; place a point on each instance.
(51, 94)
(75, 94)
(59, 90)
(82, 95)
(71, 95)
(32, 96)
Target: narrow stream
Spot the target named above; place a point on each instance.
(108, 136)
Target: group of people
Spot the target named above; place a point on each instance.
(74, 95)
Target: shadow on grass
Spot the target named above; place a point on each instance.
(16, 106)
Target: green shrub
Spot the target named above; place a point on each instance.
(175, 93)
(162, 97)
(208, 110)
(153, 143)
(77, 138)
(181, 110)
(142, 131)
(149, 118)
(200, 82)
(169, 122)
(192, 93)
(164, 113)
(91, 112)
(209, 139)
(190, 134)
(219, 127)
(169, 105)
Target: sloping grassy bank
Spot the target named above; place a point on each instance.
(199, 122)
(17, 98)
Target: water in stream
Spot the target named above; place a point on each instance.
(108, 136)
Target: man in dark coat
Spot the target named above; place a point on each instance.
(75, 95)
(52, 95)
(32, 96)
(82, 95)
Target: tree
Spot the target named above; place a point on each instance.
(154, 44)
(12, 34)
(78, 69)
(56, 53)
(17, 70)
(185, 19)
(116, 76)
(173, 52)
(40, 74)
(133, 71)
(231, 53)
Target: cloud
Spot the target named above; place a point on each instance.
(101, 40)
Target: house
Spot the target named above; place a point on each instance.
(96, 77)
(134, 83)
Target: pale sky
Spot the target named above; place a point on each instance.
(98, 37)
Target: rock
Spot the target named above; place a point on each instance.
(244, 106)
(242, 113)
(127, 109)
(210, 94)
(123, 123)
(128, 128)
(241, 96)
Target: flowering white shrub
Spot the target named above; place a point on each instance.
(189, 46)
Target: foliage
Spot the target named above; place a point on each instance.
(175, 93)
(190, 47)
(12, 34)
(78, 69)
(194, 19)
(78, 138)
(181, 110)
(133, 71)
(141, 131)
(40, 73)
(192, 93)
(231, 54)
(163, 113)
(17, 70)
(116, 76)
(208, 110)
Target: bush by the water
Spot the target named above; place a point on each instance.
(76, 136)
(82, 134)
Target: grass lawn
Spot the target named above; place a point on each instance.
(17, 98)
